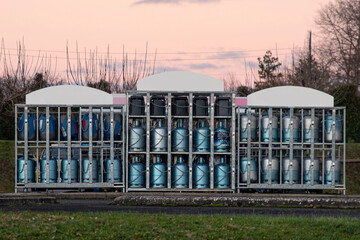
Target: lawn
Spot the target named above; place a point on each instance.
(32, 225)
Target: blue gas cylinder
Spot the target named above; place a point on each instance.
(266, 124)
(52, 127)
(222, 174)
(201, 176)
(65, 170)
(221, 138)
(328, 122)
(117, 127)
(158, 173)
(31, 127)
(180, 174)
(287, 123)
(87, 167)
(86, 127)
(158, 137)
(117, 170)
(31, 164)
(137, 137)
(52, 170)
(73, 130)
(137, 174)
(201, 138)
(180, 138)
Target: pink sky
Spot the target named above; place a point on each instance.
(233, 30)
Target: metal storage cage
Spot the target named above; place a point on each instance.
(291, 148)
(173, 142)
(69, 147)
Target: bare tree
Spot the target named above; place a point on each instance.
(102, 71)
(339, 29)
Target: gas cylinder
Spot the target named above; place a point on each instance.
(265, 128)
(31, 164)
(157, 106)
(86, 127)
(179, 106)
(332, 170)
(117, 170)
(180, 174)
(117, 127)
(137, 137)
(180, 138)
(158, 137)
(158, 173)
(311, 170)
(223, 106)
(270, 165)
(286, 127)
(244, 121)
(221, 138)
(291, 167)
(87, 167)
(136, 105)
(31, 127)
(73, 129)
(328, 128)
(65, 168)
(307, 123)
(200, 106)
(222, 174)
(201, 174)
(52, 127)
(201, 138)
(52, 170)
(137, 174)
(244, 170)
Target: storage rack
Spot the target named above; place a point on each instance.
(190, 155)
(93, 149)
(255, 148)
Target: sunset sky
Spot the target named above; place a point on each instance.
(215, 37)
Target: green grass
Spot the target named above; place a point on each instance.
(27, 225)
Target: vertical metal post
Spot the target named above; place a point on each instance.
(291, 145)
(248, 151)
(211, 159)
(169, 128)
(312, 145)
(37, 139)
(233, 129)
(26, 143)
(333, 154)
(47, 145)
(126, 128)
(148, 140)
(260, 150)
(238, 148)
(123, 160)
(270, 146)
(80, 148)
(90, 146)
(190, 125)
(111, 145)
(16, 149)
(323, 147)
(58, 160)
(69, 143)
(102, 145)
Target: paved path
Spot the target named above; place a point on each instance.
(106, 206)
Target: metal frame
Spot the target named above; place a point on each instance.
(94, 148)
(337, 149)
(190, 154)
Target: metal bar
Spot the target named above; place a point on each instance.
(248, 151)
(211, 159)
(233, 129)
(148, 140)
(270, 146)
(126, 128)
(16, 149)
(169, 128)
(26, 139)
(190, 125)
(111, 144)
(344, 150)
(47, 145)
(333, 154)
(69, 143)
(102, 145)
(291, 146)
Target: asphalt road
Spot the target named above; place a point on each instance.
(106, 206)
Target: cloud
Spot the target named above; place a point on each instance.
(202, 66)
(139, 2)
(226, 55)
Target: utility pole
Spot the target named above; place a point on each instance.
(310, 59)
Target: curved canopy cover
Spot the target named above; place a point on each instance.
(290, 96)
(69, 95)
(180, 81)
